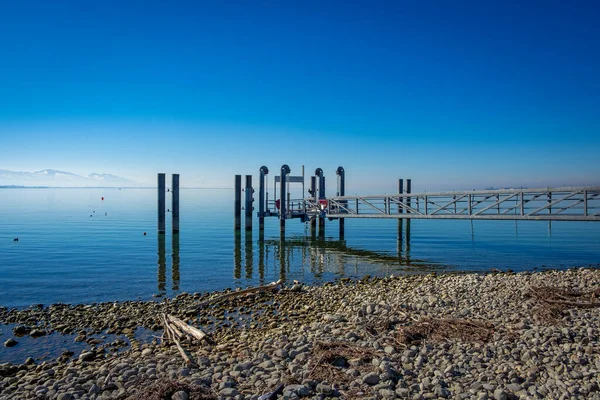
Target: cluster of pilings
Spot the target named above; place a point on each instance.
(283, 212)
(162, 191)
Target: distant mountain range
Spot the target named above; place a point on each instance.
(52, 177)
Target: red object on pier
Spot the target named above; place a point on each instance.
(323, 203)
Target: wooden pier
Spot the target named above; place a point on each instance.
(542, 204)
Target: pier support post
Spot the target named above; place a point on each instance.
(249, 202)
(261, 198)
(161, 203)
(341, 192)
(408, 191)
(401, 192)
(237, 207)
(175, 202)
(313, 193)
(285, 169)
(319, 174)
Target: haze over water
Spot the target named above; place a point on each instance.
(75, 247)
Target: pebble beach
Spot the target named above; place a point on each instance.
(447, 336)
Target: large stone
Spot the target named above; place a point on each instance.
(371, 379)
(10, 342)
(37, 333)
(229, 392)
(180, 395)
(86, 356)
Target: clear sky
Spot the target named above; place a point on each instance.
(453, 94)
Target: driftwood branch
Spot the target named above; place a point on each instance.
(172, 334)
(264, 288)
(190, 330)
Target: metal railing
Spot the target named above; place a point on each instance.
(567, 204)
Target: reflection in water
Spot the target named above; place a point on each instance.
(407, 254)
(249, 254)
(282, 263)
(261, 258)
(162, 264)
(175, 272)
(237, 256)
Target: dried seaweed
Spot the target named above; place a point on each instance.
(553, 301)
(164, 389)
(331, 360)
(439, 330)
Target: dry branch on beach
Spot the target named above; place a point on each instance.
(258, 289)
(177, 330)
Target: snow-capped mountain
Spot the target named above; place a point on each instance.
(53, 177)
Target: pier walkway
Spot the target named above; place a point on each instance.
(548, 204)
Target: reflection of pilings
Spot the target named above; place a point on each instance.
(321, 229)
(175, 202)
(282, 260)
(408, 242)
(237, 206)
(400, 237)
(261, 258)
(161, 203)
(162, 263)
(249, 201)
(249, 254)
(237, 256)
(175, 272)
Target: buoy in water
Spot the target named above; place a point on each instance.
(144, 233)
(103, 199)
(15, 239)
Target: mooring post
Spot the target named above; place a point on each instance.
(161, 203)
(237, 207)
(319, 173)
(282, 197)
(249, 201)
(341, 192)
(261, 198)
(401, 192)
(175, 202)
(313, 193)
(408, 191)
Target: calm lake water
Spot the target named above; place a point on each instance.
(74, 247)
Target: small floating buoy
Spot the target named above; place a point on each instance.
(15, 239)
(94, 212)
(105, 213)
(103, 198)
(144, 233)
(90, 215)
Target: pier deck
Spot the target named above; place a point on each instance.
(549, 204)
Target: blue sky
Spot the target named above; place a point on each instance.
(455, 95)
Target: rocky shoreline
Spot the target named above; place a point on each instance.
(495, 336)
